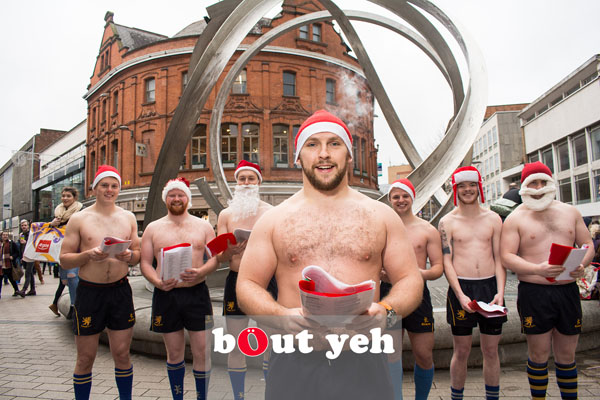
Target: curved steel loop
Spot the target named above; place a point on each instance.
(265, 39)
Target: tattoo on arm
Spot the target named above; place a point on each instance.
(444, 236)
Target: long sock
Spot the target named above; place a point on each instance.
(492, 392)
(566, 377)
(82, 385)
(538, 379)
(124, 378)
(423, 381)
(456, 394)
(202, 378)
(237, 377)
(176, 373)
(396, 375)
(265, 368)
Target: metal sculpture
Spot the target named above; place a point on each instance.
(230, 26)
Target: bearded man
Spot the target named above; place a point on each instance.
(184, 302)
(244, 210)
(350, 236)
(471, 248)
(550, 310)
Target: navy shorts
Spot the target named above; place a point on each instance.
(230, 304)
(186, 307)
(103, 305)
(419, 321)
(462, 322)
(544, 307)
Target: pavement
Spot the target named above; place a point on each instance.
(37, 356)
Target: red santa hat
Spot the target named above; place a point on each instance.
(181, 184)
(533, 171)
(405, 185)
(322, 121)
(466, 174)
(247, 165)
(106, 171)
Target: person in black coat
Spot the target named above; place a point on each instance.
(9, 253)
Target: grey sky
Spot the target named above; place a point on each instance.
(50, 48)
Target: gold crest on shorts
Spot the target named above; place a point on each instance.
(426, 322)
(86, 322)
(158, 320)
(578, 323)
(230, 306)
(461, 315)
(528, 322)
(131, 318)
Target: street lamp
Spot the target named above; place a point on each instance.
(126, 128)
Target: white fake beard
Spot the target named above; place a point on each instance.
(548, 192)
(245, 202)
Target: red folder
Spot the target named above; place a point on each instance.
(558, 255)
(219, 244)
(498, 312)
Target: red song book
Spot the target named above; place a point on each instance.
(567, 256)
(219, 244)
(488, 310)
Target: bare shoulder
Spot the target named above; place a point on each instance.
(446, 221)
(428, 228)
(154, 225)
(492, 218)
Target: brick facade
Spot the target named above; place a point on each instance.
(124, 74)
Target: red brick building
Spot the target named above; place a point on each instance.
(139, 77)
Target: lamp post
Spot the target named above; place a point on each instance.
(126, 128)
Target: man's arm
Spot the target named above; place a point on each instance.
(257, 267)
(69, 255)
(197, 275)
(446, 236)
(434, 253)
(146, 259)
(583, 237)
(499, 268)
(400, 265)
(232, 249)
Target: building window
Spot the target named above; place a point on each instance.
(316, 33)
(295, 130)
(582, 188)
(330, 91)
(495, 135)
(239, 85)
(497, 163)
(363, 156)
(229, 135)
(103, 111)
(534, 157)
(92, 165)
(595, 138)
(547, 158)
(103, 155)
(486, 168)
(115, 102)
(485, 143)
(498, 189)
(184, 81)
(115, 153)
(94, 111)
(580, 150)
(199, 147)
(355, 153)
(289, 83)
(150, 86)
(564, 188)
(489, 135)
(280, 145)
(250, 133)
(563, 156)
(303, 32)
(596, 185)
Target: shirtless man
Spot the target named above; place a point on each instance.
(184, 302)
(471, 246)
(550, 310)
(104, 298)
(419, 324)
(244, 210)
(349, 235)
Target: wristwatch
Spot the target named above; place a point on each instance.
(391, 317)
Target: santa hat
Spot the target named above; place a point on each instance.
(106, 171)
(247, 165)
(181, 184)
(405, 185)
(466, 174)
(322, 121)
(533, 171)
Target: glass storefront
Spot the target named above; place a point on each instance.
(48, 197)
